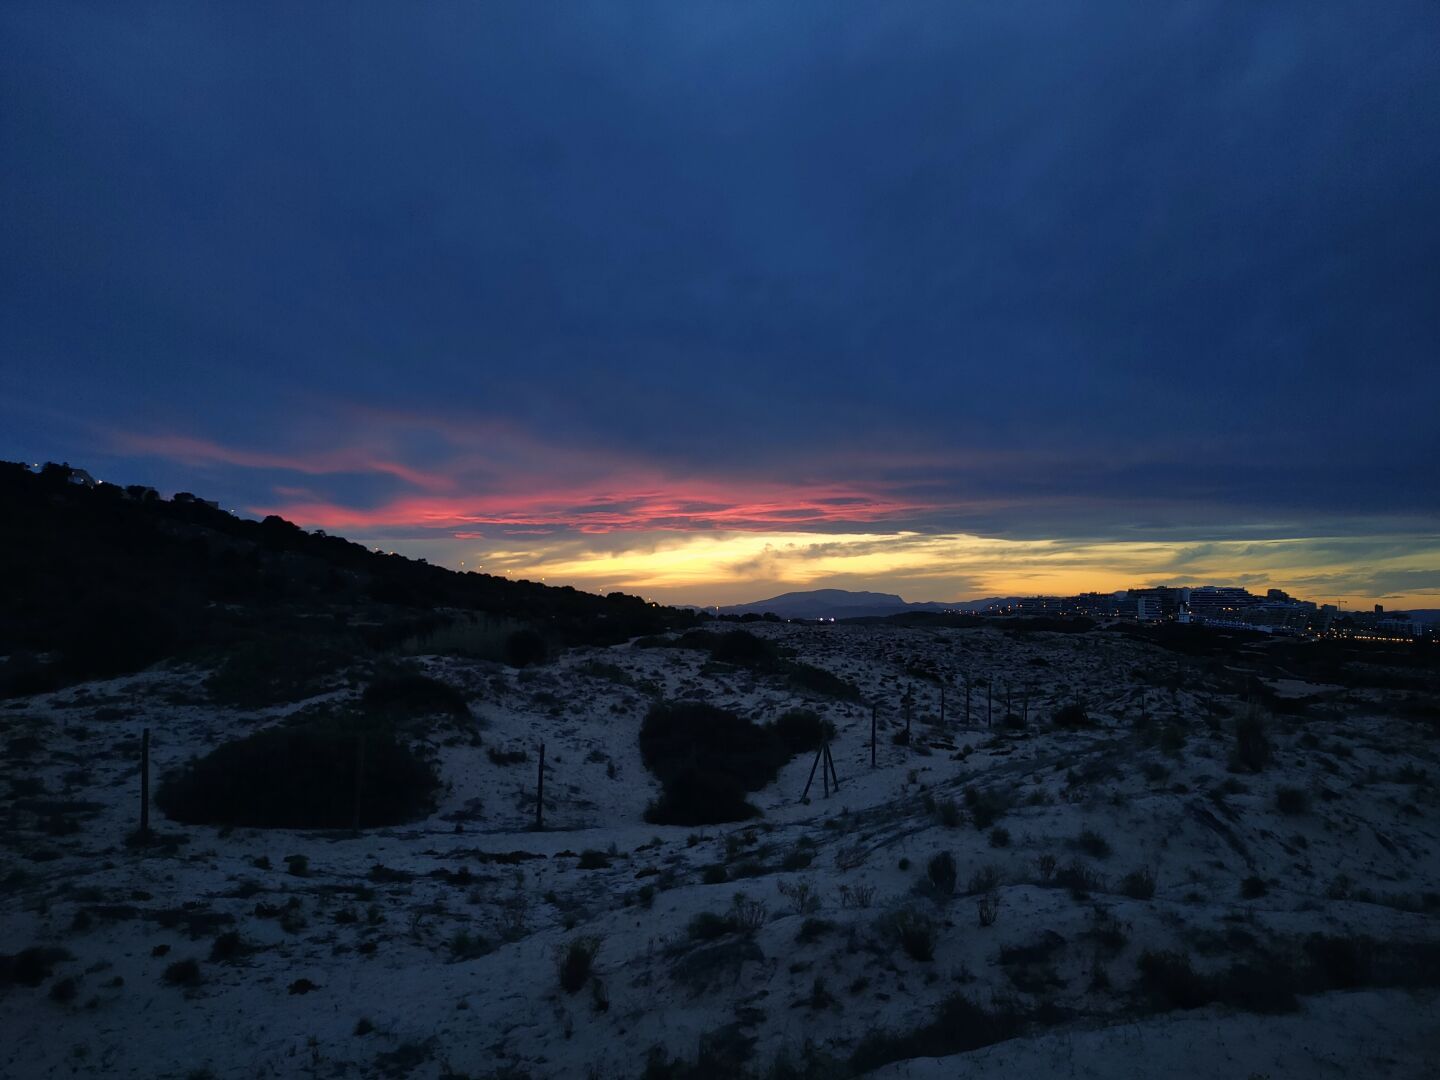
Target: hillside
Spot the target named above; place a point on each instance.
(102, 580)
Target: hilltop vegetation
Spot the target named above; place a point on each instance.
(106, 580)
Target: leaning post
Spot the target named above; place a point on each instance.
(540, 793)
(145, 784)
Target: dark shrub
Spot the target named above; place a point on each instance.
(948, 814)
(183, 973)
(227, 947)
(271, 670)
(706, 759)
(701, 797)
(111, 637)
(32, 966)
(1267, 987)
(1252, 748)
(819, 681)
(1292, 801)
(915, 933)
(576, 962)
(591, 859)
(1079, 879)
(1253, 887)
(1171, 982)
(1341, 963)
(524, 648)
(1092, 843)
(505, 757)
(941, 872)
(801, 730)
(999, 837)
(986, 807)
(411, 693)
(1138, 884)
(300, 777)
(1071, 717)
(813, 929)
(707, 926)
(65, 990)
(742, 648)
(958, 1027)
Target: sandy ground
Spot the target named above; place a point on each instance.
(350, 970)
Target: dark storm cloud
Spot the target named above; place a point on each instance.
(1173, 263)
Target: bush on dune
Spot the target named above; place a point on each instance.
(707, 758)
(301, 777)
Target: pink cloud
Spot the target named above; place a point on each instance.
(499, 476)
(601, 509)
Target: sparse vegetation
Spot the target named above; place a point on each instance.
(576, 961)
(915, 933)
(1251, 752)
(941, 873)
(707, 759)
(1139, 884)
(301, 777)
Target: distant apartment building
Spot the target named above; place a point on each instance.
(1216, 603)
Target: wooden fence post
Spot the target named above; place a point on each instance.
(874, 719)
(145, 784)
(359, 780)
(540, 793)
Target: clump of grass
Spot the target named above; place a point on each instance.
(999, 837)
(576, 962)
(948, 813)
(988, 908)
(802, 896)
(464, 945)
(1292, 801)
(940, 871)
(707, 926)
(986, 806)
(915, 932)
(1093, 844)
(227, 948)
(812, 929)
(1251, 752)
(65, 990)
(960, 1025)
(1079, 879)
(183, 973)
(1253, 887)
(32, 966)
(985, 879)
(1139, 884)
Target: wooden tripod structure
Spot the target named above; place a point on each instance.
(822, 757)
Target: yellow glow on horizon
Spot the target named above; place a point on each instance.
(729, 567)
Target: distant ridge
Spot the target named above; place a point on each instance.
(844, 604)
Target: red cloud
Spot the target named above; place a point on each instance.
(703, 505)
(500, 476)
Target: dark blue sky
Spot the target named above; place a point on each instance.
(580, 282)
